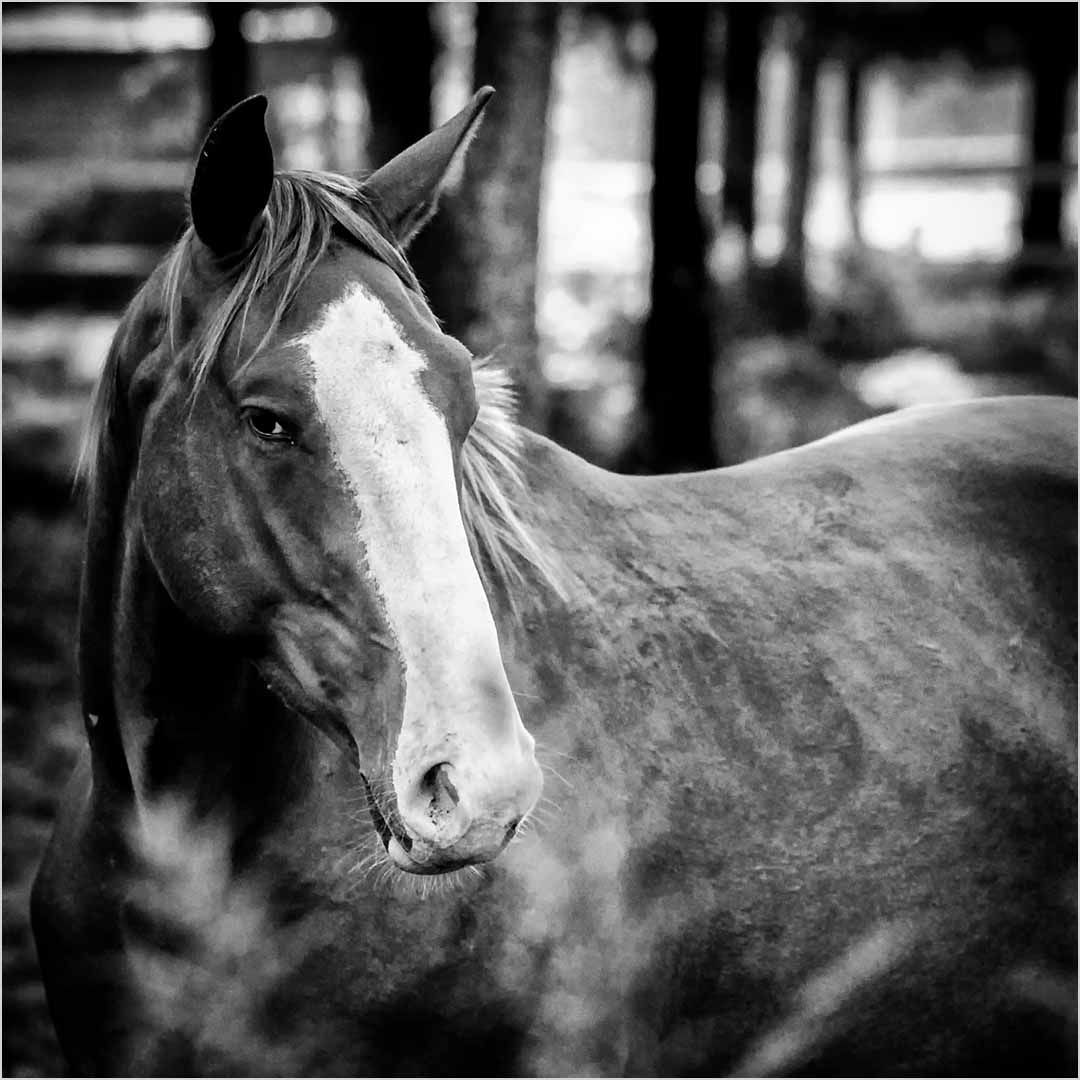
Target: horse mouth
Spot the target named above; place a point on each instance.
(398, 846)
(387, 834)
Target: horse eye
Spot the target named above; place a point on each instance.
(270, 427)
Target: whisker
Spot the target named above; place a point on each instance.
(539, 828)
(543, 748)
(368, 862)
(552, 771)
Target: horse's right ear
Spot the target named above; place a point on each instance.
(233, 177)
(406, 189)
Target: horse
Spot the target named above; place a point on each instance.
(417, 745)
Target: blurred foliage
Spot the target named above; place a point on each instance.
(772, 393)
(861, 314)
(42, 735)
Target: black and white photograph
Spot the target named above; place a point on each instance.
(539, 539)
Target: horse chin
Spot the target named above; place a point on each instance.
(404, 861)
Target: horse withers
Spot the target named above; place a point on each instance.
(417, 745)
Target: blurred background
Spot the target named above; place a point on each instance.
(694, 233)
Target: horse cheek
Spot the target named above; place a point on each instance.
(200, 558)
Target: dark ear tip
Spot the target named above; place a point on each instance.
(251, 109)
(255, 104)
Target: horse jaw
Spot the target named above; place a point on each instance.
(464, 772)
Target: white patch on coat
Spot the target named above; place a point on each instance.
(394, 448)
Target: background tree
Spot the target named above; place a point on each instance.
(806, 55)
(677, 386)
(1050, 62)
(395, 47)
(852, 134)
(744, 36)
(228, 59)
(483, 281)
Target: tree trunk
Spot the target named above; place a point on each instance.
(677, 392)
(395, 46)
(484, 285)
(806, 60)
(1040, 227)
(228, 59)
(853, 146)
(745, 24)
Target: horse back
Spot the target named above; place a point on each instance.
(968, 509)
(932, 552)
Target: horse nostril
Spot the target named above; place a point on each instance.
(444, 796)
(512, 828)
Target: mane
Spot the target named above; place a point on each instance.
(303, 213)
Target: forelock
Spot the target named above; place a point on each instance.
(303, 213)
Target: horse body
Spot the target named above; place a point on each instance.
(808, 726)
(822, 687)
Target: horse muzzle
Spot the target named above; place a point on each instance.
(460, 816)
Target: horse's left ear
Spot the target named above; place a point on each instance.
(233, 177)
(406, 189)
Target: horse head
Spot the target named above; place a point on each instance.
(295, 422)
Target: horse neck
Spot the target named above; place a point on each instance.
(581, 516)
(583, 520)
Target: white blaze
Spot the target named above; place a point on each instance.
(394, 449)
